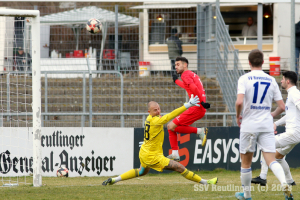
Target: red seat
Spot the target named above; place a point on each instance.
(109, 54)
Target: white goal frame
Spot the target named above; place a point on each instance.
(36, 87)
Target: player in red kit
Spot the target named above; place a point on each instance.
(181, 124)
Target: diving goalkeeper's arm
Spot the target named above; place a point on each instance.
(194, 101)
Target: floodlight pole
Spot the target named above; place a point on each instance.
(293, 44)
(259, 25)
(116, 36)
(218, 4)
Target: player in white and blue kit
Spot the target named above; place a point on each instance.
(286, 141)
(256, 90)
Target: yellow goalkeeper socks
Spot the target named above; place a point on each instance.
(130, 174)
(191, 176)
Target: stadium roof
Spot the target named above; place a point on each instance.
(82, 15)
(77, 18)
(190, 5)
(169, 4)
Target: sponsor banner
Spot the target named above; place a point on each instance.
(220, 151)
(84, 151)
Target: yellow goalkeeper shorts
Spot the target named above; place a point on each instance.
(157, 163)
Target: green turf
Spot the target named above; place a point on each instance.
(158, 186)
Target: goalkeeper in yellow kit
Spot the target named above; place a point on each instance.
(151, 152)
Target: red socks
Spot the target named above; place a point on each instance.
(173, 140)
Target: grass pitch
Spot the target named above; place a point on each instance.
(152, 186)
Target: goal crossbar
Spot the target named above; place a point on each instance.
(19, 13)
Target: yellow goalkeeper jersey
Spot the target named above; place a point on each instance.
(154, 133)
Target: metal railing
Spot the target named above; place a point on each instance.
(84, 95)
(228, 71)
(144, 115)
(250, 39)
(216, 54)
(114, 115)
(66, 99)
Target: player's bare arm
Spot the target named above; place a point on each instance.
(280, 108)
(166, 118)
(239, 107)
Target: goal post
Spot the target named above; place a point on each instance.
(33, 18)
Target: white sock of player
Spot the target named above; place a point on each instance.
(175, 153)
(264, 168)
(203, 181)
(278, 171)
(246, 176)
(117, 179)
(200, 130)
(286, 169)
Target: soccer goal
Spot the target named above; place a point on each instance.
(20, 120)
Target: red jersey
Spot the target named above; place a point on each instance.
(189, 77)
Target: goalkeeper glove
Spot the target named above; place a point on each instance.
(192, 102)
(205, 105)
(175, 77)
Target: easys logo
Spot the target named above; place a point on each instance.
(219, 151)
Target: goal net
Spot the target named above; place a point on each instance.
(20, 97)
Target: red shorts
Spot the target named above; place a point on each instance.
(189, 116)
